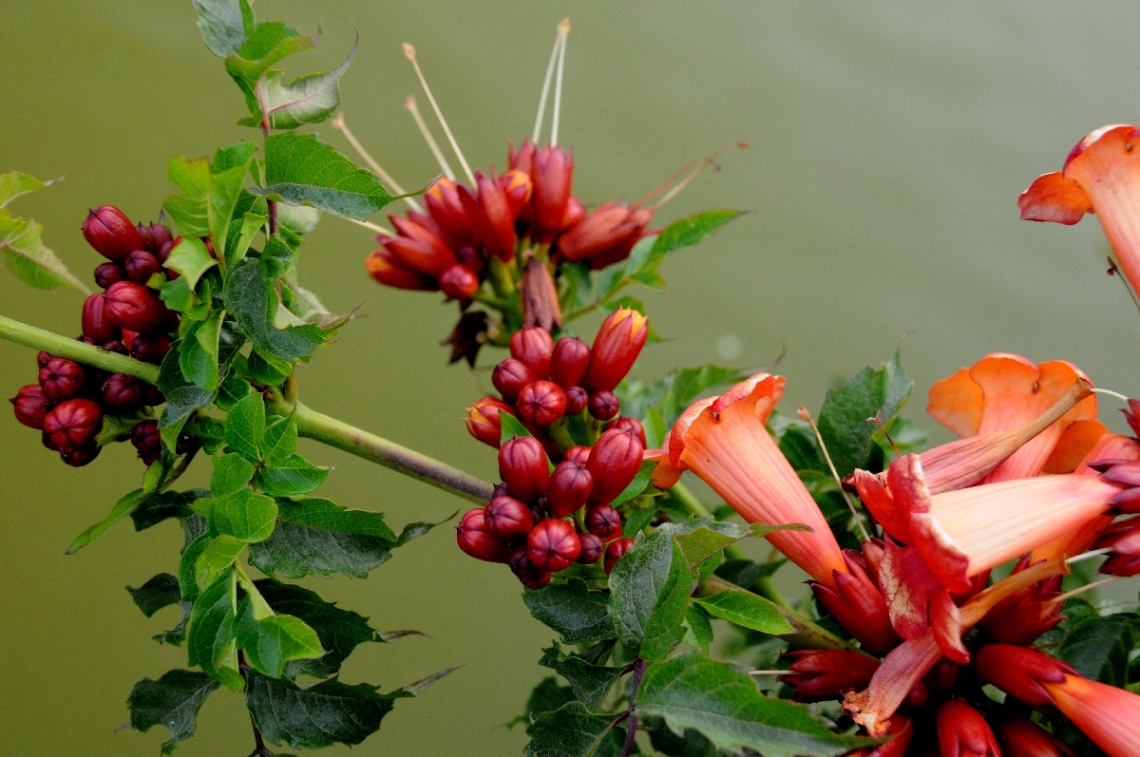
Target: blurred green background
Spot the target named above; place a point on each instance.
(889, 144)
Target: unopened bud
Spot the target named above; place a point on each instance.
(524, 467)
(77, 457)
(140, 265)
(592, 549)
(121, 393)
(483, 420)
(553, 545)
(132, 306)
(459, 282)
(1020, 672)
(1023, 738)
(73, 423)
(616, 347)
(614, 462)
(858, 604)
(490, 215)
(384, 269)
(628, 423)
(474, 539)
(507, 518)
(577, 455)
(541, 403)
(62, 379)
(150, 348)
(534, 347)
(603, 522)
(577, 398)
(528, 573)
(824, 673)
(30, 406)
(569, 362)
(96, 324)
(154, 236)
(614, 552)
(147, 440)
(963, 732)
(552, 173)
(510, 376)
(107, 274)
(516, 187)
(111, 233)
(604, 405)
(569, 488)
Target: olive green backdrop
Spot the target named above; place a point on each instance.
(889, 144)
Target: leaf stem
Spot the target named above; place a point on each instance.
(631, 730)
(61, 346)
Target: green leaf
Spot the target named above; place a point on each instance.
(302, 170)
(339, 631)
(571, 731)
(319, 537)
(154, 508)
(279, 441)
(572, 610)
(268, 43)
(217, 557)
(746, 609)
(177, 295)
(698, 629)
(232, 390)
(182, 397)
(172, 702)
(691, 231)
(1099, 647)
(638, 485)
(547, 696)
(191, 259)
(29, 258)
(649, 591)
(227, 172)
(309, 99)
(293, 477)
(844, 420)
(693, 691)
(224, 24)
(189, 208)
(244, 515)
(330, 712)
(672, 394)
(244, 426)
(160, 591)
(590, 683)
(637, 520)
(271, 642)
(510, 427)
(232, 473)
(250, 215)
(187, 578)
(211, 632)
(705, 537)
(121, 510)
(15, 184)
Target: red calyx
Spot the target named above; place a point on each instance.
(510, 376)
(534, 347)
(541, 403)
(1123, 538)
(569, 361)
(132, 306)
(1019, 671)
(592, 549)
(30, 406)
(121, 393)
(605, 236)
(507, 518)
(569, 488)
(1023, 738)
(824, 673)
(614, 462)
(628, 423)
(459, 282)
(107, 274)
(576, 400)
(474, 539)
(963, 732)
(490, 215)
(553, 545)
(859, 606)
(446, 209)
(73, 423)
(111, 233)
(614, 551)
(604, 405)
(483, 420)
(62, 379)
(140, 265)
(524, 467)
(1024, 616)
(616, 347)
(603, 522)
(418, 245)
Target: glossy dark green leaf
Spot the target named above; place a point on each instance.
(224, 24)
(309, 99)
(689, 744)
(122, 509)
(244, 515)
(649, 591)
(172, 702)
(232, 473)
(693, 691)
(269, 643)
(698, 629)
(292, 477)
(302, 170)
(672, 394)
(572, 731)
(844, 420)
(182, 397)
(330, 712)
(572, 610)
(590, 683)
(547, 696)
(1099, 647)
(232, 390)
(211, 631)
(155, 508)
(160, 591)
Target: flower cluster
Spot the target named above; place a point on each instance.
(554, 506)
(69, 402)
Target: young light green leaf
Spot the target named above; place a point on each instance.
(746, 609)
(268, 43)
(14, 184)
(244, 515)
(279, 441)
(29, 258)
(160, 591)
(330, 712)
(187, 578)
(250, 216)
(691, 231)
(189, 209)
(271, 642)
(698, 629)
(172, 701)
(649, 592)
(302, 170)
(572, 610)
(510, 427)
(244, 426)
(309, 99)
(224, 24)
(219, 554)
(693, 691)
(571, 731)
(227, 172)
(191, 259)
(121, 510)
(591, 683)
(293, 477)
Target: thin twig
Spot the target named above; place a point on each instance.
(631, 731)
(805, 415)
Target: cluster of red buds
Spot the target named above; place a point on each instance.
(553, 507)
(69, 401)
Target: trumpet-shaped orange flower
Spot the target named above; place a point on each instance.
(1003, 392)
(724, 441)
(1102, 176)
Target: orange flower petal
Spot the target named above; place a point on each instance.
(1052, 197)
(1107, 715)
(956, 403)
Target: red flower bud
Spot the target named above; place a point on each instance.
(150, 348)
(918, 695)
(146, 439)
(111, 233)
(569, 487)
(1123, 538)
(534, 347)
(614, 551)
(577, 399)
(524, 467)
(825, 673)
(107, 274)
(592, 549)
(569, 361)
(607, 234)
(553, 545)
(628, 423)
(483, 420)
(858, 605)
(30, 406)
(528, 573)
(603, 522)
(77, 457)
(459, 282)
(1023, 738)
(418, 245)
(517, 188)
(541, 403)
(154, 237)
(1023, 616)
(121, 393)
(446, 209)
(73, 423)
(473, 538)
(132, 306)
(62, 379)
(43, 358)
(152, 395)
(614, 462)
(1019, 671)
(384, 269)
(552, 171)
(140, 265)
(943, 675)
(96, 324)
(604, 405)
(616, 347)
(523, 158)
(507, 518)
(963, 732)
(510, 376)
(490, 215)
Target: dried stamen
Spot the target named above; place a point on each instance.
(340, 124)
(410, 104)
(410, 54)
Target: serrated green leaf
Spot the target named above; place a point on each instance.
(293, 477)
(649, 591)
(571, 731)
(121, 510)
(250, 216)
(746, 609)
(232, 390)
(29, 258)
(191, 259)
(177, 295)
(302, 170)
(590, 683)
(319, 537)
(268, 369)
(844, 422)
(691, 231)
(160, 591)
(309, 99)
(268, 43)
(693, 691)
(1099, 647)
(224, 24)
(198, 367)
(244, 515)
(279, 442)
(271, 642)
(572, 610)
(547, 696)
(244, 426)
(232, 473)
(15, 184)
(330, 712)
(698, 629)
(172, 702)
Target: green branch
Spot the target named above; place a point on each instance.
(72, 349)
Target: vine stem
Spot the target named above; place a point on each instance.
(310, 423)
(631, 731)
